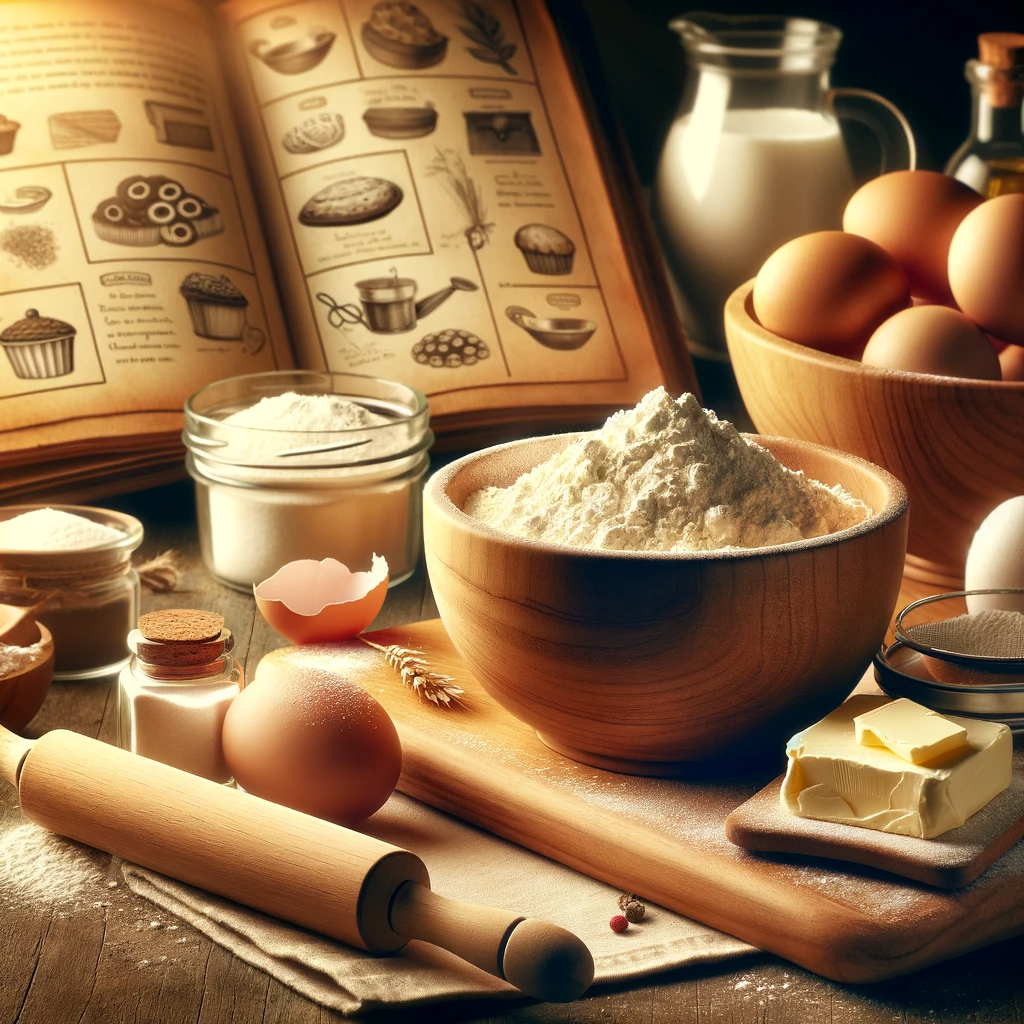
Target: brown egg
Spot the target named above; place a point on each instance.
(913, 216)
(986, 267)
(308, 738)
(829, 290)
(1011, 359)
(933, 339)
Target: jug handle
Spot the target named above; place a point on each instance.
(890, 127)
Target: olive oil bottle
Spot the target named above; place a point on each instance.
(991, 160)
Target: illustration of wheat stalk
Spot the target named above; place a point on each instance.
(412, 666)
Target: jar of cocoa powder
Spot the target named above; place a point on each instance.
(87, 595)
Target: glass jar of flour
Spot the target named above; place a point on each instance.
(307, 464)
(74, 564)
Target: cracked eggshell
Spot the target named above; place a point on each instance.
(312, 602)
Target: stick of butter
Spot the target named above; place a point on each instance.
(911, 730)
(832, 777)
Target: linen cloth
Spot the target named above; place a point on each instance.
(465, 863)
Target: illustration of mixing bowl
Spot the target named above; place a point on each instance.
(562, 332)
(297, 56)
(388, 303)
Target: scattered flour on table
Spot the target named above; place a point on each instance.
(38, 867)
(50, 529)
(666, 476)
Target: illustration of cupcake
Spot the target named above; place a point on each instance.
(39, 346)
(216, 305)
(155, 210)
(546, 249)
(8, 132)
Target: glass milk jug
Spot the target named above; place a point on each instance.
(755, 156)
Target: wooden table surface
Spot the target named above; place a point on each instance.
(120, 959)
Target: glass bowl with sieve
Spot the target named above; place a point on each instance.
(970, 664)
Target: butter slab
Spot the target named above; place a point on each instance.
(832, 777)
(909, 729)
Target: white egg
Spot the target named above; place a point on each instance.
(996, 558)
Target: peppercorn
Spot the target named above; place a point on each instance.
(618, 923)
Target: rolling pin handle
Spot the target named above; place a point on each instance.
(540, 959)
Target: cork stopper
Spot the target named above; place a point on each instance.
(1001, 49)
(1004, 53)
(180, 639)
(181, 626)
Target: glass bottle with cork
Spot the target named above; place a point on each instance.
(174, 693)
(991, 160)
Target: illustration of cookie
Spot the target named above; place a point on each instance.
(154, 210)
(353, 201)
(216, 305)
(450, 348)
(39, 346)
(400, 35)
(545, 249)
(315, 133)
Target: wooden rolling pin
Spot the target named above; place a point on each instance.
(330, 879)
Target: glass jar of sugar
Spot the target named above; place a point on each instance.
(304, 464)
(74, 563)
(176, 689)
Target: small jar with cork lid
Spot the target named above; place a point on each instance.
(174, 693)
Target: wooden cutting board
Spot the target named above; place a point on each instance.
(665, 839)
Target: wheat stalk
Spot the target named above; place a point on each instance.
(466, 193)
(411, 665)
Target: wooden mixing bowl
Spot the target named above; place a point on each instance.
(650, 663)
(957, 445)
(22, 693)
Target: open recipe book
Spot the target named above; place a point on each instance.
(416, 192)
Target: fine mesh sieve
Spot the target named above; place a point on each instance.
(983, 648)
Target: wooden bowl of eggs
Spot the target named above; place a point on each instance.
(880, 340)
(664, 663)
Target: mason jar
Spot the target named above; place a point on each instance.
(267, 496)
(88, 598)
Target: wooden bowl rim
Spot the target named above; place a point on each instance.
(738, 310)
(48, 654)
(436, 493)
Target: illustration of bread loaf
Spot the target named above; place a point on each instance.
(353, 201)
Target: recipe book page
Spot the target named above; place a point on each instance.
(132, 267)
(435, 202)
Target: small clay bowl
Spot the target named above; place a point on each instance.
(22, 693)
(659, 663)
(311, 602)
(957, 445)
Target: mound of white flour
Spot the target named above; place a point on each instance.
(666, 476)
